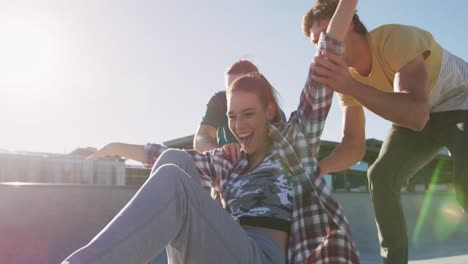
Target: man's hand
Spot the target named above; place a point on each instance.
(332, 71)
(232, 150)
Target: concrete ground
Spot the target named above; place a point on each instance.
(437, 236)
(43, 224)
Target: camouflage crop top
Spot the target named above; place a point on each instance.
(261, 197)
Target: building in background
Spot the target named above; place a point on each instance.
(70, 168)
(74, 168)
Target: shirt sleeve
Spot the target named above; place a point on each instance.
(316, 99)
(212, 166)
(151, 153)
(216, 108)
(402, 44)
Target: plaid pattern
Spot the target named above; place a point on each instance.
(320, 232)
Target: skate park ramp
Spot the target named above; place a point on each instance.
(44, 223)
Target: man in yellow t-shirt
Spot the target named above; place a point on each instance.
(403, 75)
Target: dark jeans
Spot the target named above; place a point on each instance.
(403, 153)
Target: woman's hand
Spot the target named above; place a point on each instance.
(106, 151)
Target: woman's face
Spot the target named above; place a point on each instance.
(248, 119)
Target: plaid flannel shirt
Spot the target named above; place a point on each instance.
(320, 232)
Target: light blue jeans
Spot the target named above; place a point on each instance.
(173, 211)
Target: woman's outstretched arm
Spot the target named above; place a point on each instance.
(128, 151)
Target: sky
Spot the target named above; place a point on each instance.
(89, 72)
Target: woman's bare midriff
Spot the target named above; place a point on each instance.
(281, 236)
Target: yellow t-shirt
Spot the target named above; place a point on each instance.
(392, 47)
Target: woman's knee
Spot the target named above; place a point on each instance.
(168, 178)
(172, 156)
(167, 172)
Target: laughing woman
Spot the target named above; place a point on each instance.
(278, 205)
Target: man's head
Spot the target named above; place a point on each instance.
(318, 17)
(239, 69)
